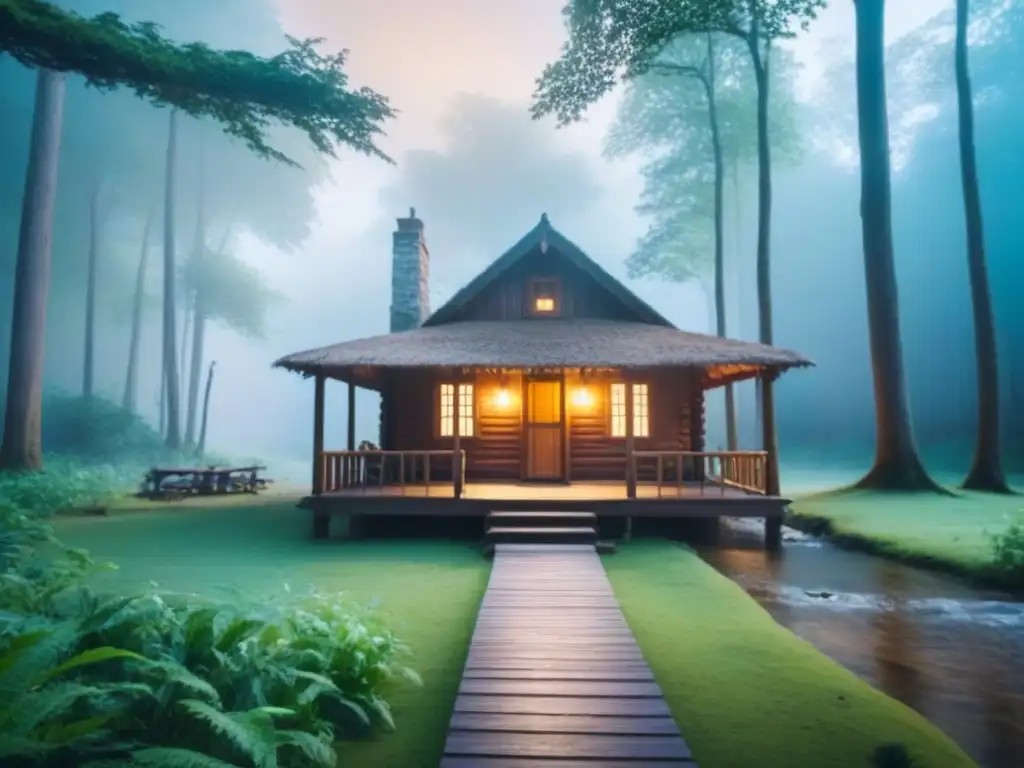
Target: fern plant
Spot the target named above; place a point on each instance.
(175, 680)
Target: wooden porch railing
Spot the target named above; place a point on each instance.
(403, 470)
(743, 470)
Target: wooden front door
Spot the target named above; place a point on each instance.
(544, 422)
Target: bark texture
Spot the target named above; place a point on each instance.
(172, 402)
(897, 465)
(132, 374)
(986, 472)
(22, 448)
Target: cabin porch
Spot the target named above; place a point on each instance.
(659, 486)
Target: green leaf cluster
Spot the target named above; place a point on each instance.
(664, 116)
(173, 680)
(245, 93)
(613, 40)
(230, 290)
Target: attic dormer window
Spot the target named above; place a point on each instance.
(544, 297)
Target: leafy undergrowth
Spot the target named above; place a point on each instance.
(172, 680)
(97, 452)
(969, 534)
(67, 484)
(427, 591)
(746, 691)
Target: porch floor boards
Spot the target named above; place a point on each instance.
(592, 491)
(554, 676)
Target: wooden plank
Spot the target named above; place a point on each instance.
(555, 654)
(563, 705)
(529, 762)
(610, 674)
(554, 673)
(500, 661)
(602, 690)
(566, 746)
(582, 724)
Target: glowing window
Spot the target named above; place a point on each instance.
(544, 297)
(447, 410)
(641, 410)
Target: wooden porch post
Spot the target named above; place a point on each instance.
(321, 520)
(351, 417)
(770, 443)
(630, 461)
(456, 441)
(566, 456)
(318, 436)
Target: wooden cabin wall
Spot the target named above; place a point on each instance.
(498, 446)
(505, 298)
(675, 396)
(495, 452)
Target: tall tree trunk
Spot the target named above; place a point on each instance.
(198, 344)
(897, 465)
(132, 374)
(716, 146)
(764, 211)
(201, 450)
(764, 193)
(88, 366)
(986, 472)
(198, 314)
(173, 436)
(163, 399)
(187, 311)
(22, 448)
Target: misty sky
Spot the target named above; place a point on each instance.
(421, 55)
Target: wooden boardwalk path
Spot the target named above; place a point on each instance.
(554, 676)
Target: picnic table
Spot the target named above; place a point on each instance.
(177, 482)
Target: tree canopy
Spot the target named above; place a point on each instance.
(663, 116)
(612, 40)
(243, 92)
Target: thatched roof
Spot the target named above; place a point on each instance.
(546, 236)
(546, 343)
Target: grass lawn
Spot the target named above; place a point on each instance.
(744, 690)
(429, 590)
(951, 533)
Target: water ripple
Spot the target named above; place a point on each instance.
(993, 613)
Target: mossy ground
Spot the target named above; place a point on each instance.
(738, 683)
(950, 533)
(428, 590)
(744, 690)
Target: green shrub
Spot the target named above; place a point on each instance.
(1008, 552)
(66, 484)
(176, 680)
(97, 431)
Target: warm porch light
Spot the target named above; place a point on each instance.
(582, 398)
(544, 304)
(502, 398)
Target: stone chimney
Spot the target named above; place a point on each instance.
(410, 275)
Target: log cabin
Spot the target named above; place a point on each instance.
(543, 381)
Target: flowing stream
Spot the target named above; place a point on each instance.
(953, 653)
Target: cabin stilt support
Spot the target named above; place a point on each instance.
(773, 534)
(321, 525)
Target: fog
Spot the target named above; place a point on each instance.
(480, 173)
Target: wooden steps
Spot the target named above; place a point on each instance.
(554, 676)
(538, 527)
